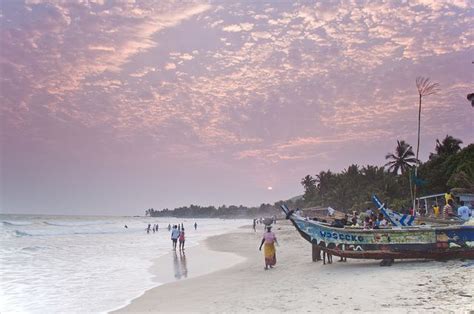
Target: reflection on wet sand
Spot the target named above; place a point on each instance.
(180, 265)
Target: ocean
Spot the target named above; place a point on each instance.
(85, 264)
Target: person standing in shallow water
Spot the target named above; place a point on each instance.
(174, 236)
(269, 239)
(181, 239)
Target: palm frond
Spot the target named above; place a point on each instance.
(426, 87)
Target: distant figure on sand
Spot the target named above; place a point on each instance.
(148, 228)
(195, 225)
(269, 239)
(174, 236)
(254, 225)
(169, 227)
(181, 240)
(126, 227)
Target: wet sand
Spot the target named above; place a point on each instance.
(299, 285)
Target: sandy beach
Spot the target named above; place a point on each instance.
(297, 284)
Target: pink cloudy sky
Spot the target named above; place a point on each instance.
(111, 108)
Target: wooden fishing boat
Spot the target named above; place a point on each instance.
(429, 242)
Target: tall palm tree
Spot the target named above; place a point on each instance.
(425, 88)
(402, 160)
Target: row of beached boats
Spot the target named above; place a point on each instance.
(402, 240)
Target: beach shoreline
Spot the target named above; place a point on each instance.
(298, 284)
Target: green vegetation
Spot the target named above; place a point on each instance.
(449, 167)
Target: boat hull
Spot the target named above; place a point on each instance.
(416, 242)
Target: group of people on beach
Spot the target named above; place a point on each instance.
(177, 233)
(368, 220)
(155, 228)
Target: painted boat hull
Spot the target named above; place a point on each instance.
(416, 242)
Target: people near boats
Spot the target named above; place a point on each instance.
(174, 236)
(422, 211)
(435, 210)
(383, 222)
(269, 239)
(464, 212)
(354, 219)
(331, 211)
(448, 210)
(367, 222)
(448, 197)
(368, 212)
(380, 222)
(181, 239)
(195, 225)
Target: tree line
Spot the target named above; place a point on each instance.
(448, 167)
(232, 211)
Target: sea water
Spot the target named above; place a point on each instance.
(85, 264)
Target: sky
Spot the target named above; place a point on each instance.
(113, 107)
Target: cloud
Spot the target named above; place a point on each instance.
(243, 27)
(293, 78)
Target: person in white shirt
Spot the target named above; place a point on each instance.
(174, 236)
(464, 212)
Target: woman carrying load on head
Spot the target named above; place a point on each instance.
(269, 239)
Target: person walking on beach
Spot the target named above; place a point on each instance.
(148, 228)
(174, 236)
(269, 252)
(254, 225)
(169, 227)
(181, 240)
(195, 225)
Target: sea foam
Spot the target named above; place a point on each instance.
(85, 264)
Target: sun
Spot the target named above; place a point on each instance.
(269, 188)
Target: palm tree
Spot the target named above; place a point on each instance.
(309, 184)
(448, 146)
(425, 88)
(402, 160)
